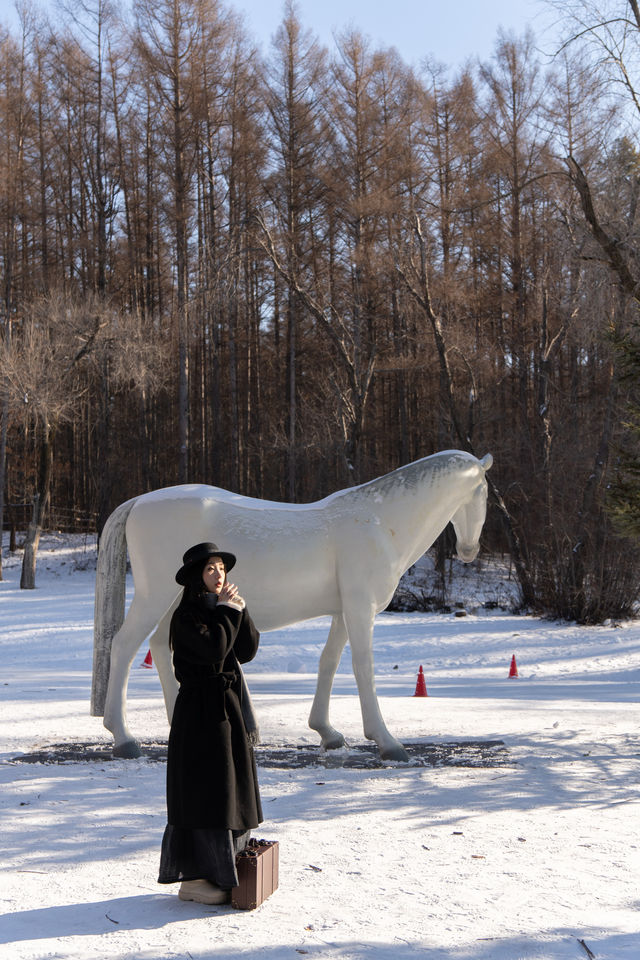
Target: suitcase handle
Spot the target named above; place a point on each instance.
(253, 846)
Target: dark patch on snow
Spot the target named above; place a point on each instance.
(463, 753)
(83, 752)
(467, 753)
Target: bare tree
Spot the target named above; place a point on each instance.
(297, 87)
(42, 366)
(168, 34)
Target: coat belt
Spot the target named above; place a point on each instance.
(224, 680)
(215, 686)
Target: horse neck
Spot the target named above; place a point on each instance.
(415, 503)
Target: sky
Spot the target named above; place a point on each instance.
(449, 32)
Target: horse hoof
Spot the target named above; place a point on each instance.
(129, 750)
(394, 752)
(336, 743)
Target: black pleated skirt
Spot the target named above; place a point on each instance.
(201, 853)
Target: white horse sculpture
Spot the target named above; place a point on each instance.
(342, 556)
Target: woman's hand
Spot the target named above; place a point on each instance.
(229, 593)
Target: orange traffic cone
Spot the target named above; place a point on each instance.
(421, 686)
(147, 662)
(513, 669)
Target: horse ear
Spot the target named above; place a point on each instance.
(487, 462)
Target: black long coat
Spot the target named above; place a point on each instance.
(211, 771)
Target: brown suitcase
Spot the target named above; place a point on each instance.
(258, 867)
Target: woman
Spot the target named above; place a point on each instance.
(213, 800)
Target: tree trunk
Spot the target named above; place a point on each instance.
(3, 462)
(422, 296)
(292, 323)
(40, 506)
(590, 495)
(28, 575)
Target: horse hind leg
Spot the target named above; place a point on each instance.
(136, 627)
(159, 644)
(332, 739)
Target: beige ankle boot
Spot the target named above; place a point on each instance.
(201, 891)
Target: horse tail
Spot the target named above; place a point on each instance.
(110, 600)
(487, 462)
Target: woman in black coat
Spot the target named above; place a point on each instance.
(213, 801)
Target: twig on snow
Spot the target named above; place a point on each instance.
(586, 949)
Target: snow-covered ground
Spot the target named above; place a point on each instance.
(534, 857)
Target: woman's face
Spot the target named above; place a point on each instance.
(214, 574)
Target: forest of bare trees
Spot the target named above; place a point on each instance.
(288, 274)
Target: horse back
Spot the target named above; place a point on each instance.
(286, 566)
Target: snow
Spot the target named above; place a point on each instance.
(533, 858)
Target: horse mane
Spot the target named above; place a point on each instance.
(435, 469)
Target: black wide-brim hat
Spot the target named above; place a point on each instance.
(198, 554)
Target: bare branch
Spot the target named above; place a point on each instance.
(611, 246)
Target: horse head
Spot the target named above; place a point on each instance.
(469, 518)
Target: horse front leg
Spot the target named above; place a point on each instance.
(159, 645)
(359, 620)
(332, 739)
(125, 644)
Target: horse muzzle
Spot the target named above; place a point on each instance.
(467, 554)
